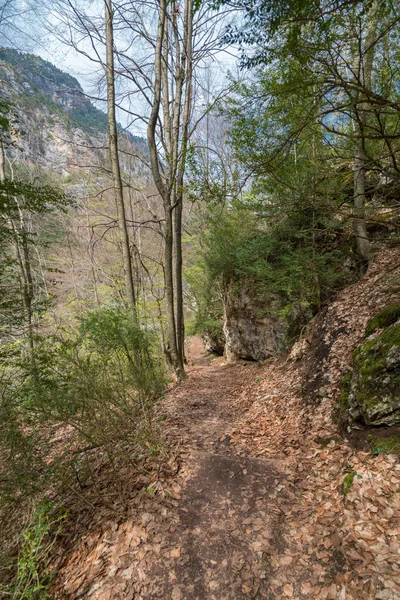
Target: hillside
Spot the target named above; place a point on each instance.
(266, 500)
(59, 126)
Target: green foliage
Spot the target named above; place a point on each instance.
(288, 233)
(117, 332)
(298, 263)
(33, 573)
(34, 198)
(348, 481)
(387, 316)
(100, 383)
(387, 445)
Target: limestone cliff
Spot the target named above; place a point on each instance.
(58, 126)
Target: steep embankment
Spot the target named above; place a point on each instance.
(268, 500)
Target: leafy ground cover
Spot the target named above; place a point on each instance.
(263, 497)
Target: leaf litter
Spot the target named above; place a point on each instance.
(252, 504)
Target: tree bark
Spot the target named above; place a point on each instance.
(165, 182)
(2, 162)
(364, 66)
(23, 258)
(114, 157)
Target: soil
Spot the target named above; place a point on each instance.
(210, 531)
(254, 504)
(226, 517)
(361, 435)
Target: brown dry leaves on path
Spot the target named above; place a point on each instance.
(256, 509)
(209, 531)
(336, 547)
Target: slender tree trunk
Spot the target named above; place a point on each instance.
(360, 227)
(178, 262)
(114, 157)
(22, 254)
(172, 349)
(91, 259)
(164, 187)
(2, 162)
(364, 71)
(185, 84)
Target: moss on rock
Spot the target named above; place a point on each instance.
(371, 391)
(387, 316)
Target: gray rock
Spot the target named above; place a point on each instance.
(253, 330)
(393, 358)
(214, 343)
(371, 392)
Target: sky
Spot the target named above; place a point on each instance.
(42, 35)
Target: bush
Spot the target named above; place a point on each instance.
(95, 387)
(299, 263)
(33, 573)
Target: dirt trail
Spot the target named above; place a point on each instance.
(254, 503)
(209, 531)
(226, 517)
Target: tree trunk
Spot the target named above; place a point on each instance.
(172, 348)
(22, 254)
(360, 228)
(114, 157)
(179, 321)
(364, 71)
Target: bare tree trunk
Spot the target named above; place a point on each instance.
(364, 72)
(114, 158)
(165, 188)
(22, 254)
(2, 162)
(180, 329)
(187, 69)
(90, 250)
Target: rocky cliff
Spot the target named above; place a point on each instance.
(58, 126)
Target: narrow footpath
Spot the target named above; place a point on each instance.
(226, 517)
(254, 503)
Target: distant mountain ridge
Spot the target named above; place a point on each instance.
(50, 99)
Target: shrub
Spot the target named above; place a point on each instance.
(33, 572)
(96, 386)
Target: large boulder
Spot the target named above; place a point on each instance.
(371, 390)
(214, 342)
(253, 326)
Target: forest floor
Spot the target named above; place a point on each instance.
(254, 505)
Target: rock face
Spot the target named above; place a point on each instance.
(214, 343)
(252, 331)
(58, 127)
(371, 391)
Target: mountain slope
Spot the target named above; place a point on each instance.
(59, 126)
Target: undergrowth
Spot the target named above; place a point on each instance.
(33, 573)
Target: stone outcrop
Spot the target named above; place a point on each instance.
(214, 342)
(252, 329)
(371, 390)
